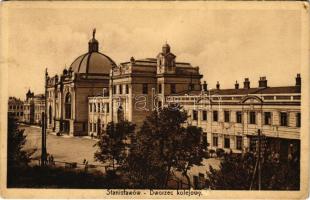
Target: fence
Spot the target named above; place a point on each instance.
(75, 166)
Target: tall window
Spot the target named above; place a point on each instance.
(173, 89)
(239, 117)
(252, 117)
(227, 142)
(283, 119)
(108, 107)
(215, 116)
(95, 127)
(204, 115)
(144, 88)
(50, 114)
(98, 107)
(159, 88)
(68, 106)
(127, 89)
(239, 142)
(226, 116)
(195, 115)
(267, 118)
(90, 127)
(94, 107)
(114, 89)
(215, 140)
(90, 107)
(298, 119)
(121, 89)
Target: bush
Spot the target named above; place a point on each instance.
(220, 152)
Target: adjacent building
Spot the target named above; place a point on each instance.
(34, 105)
(15, 108)
(231, 118)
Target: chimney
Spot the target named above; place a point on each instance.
(236, 85)
(205, 86)
(246, 83)
(217, 85)
(298, 80)
(262, 83)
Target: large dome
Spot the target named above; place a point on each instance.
(93, 62)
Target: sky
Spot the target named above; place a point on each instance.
(227, 43)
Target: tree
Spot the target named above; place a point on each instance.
(236, 173)
(113, 143)
(16, 141)
(162, 145)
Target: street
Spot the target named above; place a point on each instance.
(76, 149)
(63, 148)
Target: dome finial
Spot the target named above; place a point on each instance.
(94, 32)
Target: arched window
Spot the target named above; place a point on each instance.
(68, 106)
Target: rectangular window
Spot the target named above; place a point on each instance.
(226, 116)
(120, 89)
(226, 142)
(252, 118)
(204, 115)
(90, 107)
(114, 89)
(298, 119)
(95, 127)
(239, 142)
(215, 141)
(215, 116)
(127, 89)
(239, 117)
(195, 115)
(283, 119)
(108, 107)
(267, 118)
(159, 88)
(98, 107)
(173, 89)
(144, 88)
(94, 107)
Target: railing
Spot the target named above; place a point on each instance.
(75, 165)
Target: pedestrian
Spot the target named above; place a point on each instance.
(86, 166)
(52, 160)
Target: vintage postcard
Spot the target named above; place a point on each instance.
(154, 100)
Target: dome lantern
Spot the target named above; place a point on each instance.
(93, 44)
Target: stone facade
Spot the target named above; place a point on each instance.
(67, 93)
(34, 105)
(231, 118)
(137, 87)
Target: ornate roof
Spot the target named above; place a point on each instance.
(93, 61)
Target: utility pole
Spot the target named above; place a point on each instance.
(43, 147)
(44, 124)
(259, 160)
